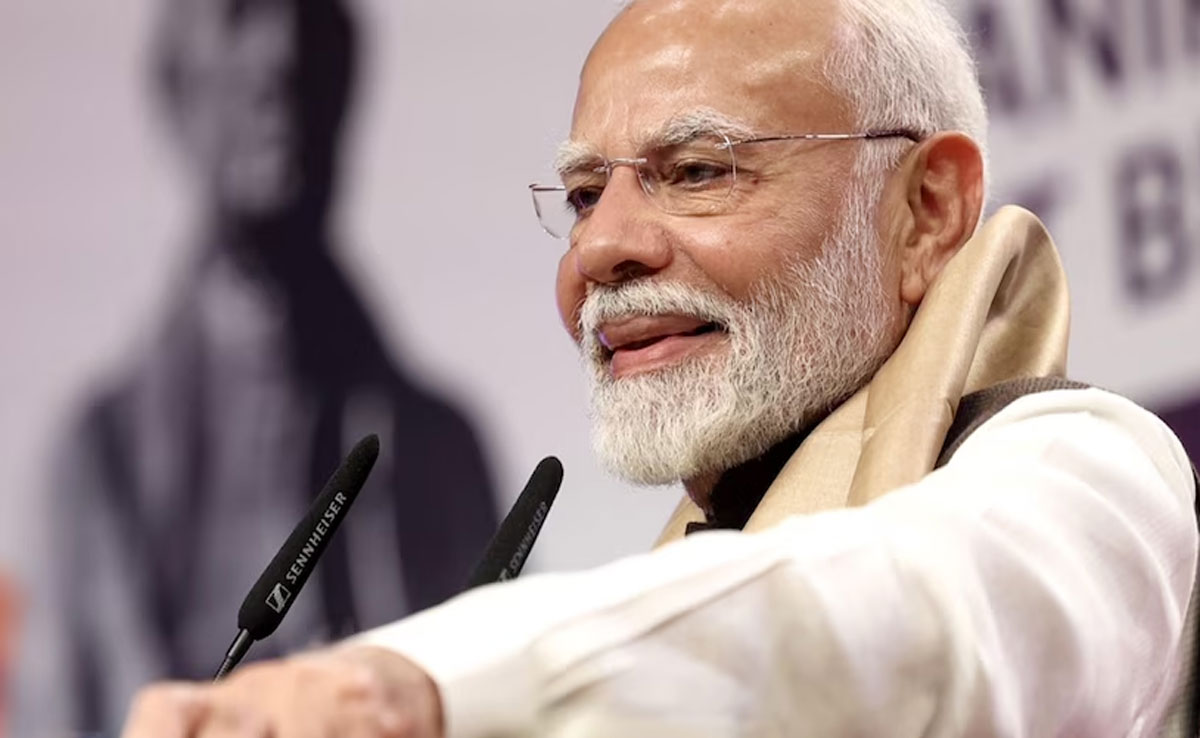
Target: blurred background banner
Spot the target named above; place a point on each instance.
(1095, 109)
(240, 233)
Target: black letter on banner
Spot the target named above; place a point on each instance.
(1101, 31)
(1154, 248)
(998, 56)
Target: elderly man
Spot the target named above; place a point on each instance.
(776, 275)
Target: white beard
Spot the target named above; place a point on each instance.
(800, 345)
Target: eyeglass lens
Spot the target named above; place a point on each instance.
(692, 178)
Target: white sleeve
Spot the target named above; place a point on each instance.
(1036, 585)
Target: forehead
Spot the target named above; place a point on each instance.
(758, 61)
(228, 15)
(215, 34)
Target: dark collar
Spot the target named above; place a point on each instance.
(739, 490)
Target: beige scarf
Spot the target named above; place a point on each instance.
(998, 311)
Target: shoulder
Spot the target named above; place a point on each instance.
(101, 414)
(1083, 426)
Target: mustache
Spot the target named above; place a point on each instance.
(612, 302)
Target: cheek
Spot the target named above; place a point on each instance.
(781, 221)
(203, 137)
(729, 257)
(741, 254)
(569, 292)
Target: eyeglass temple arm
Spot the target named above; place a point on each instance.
(908, 133)
(867, 135)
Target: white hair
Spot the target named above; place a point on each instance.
(905, 64)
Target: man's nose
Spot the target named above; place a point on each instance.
(623, 236)
(267, 51)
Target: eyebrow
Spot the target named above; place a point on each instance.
(575, 155)
(678, 129)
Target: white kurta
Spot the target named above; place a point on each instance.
(1036, 585)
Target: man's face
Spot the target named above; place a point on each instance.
(257, 102)
(695, 328)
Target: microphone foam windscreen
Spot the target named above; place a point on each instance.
(275, 591)
(510, 547)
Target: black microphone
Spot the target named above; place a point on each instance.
(510, 547)
(273, 594)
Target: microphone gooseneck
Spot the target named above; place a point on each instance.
(509, 548)
(276, 589)
(237, 651)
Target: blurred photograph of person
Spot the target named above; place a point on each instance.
(189, 468)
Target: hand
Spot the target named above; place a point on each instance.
(349, 691)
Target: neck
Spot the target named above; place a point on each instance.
(274, 249)
(285, 275)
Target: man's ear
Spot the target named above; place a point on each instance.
(944, 196)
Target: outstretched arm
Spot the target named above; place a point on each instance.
(1035, 585)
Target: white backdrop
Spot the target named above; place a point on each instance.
(463, 105)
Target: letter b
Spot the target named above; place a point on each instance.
(1155, 249)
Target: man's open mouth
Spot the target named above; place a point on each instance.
(642, 341)
(650, 341)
